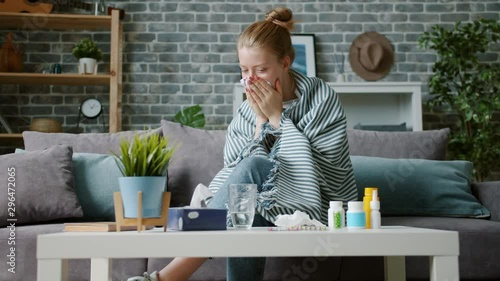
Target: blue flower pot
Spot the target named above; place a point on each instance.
(152, 194)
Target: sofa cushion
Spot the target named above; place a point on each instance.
(103, 143)
(419, 186)
(96, 178)
(198, 159)
(39, 186)
(420, 144)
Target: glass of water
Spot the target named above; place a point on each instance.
(242, 204)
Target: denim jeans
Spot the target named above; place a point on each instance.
(249, 170)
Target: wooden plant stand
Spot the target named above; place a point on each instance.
(140, 222)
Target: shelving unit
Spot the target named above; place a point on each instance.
(112, 23)
(381, 103)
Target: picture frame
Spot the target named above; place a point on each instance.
(305, 54)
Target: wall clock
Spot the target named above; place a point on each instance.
(90, 108)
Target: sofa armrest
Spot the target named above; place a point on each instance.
(489, 195)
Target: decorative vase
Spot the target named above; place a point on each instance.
(11, 58)
(152, 194)
(87, 66)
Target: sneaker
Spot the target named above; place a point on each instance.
(146, 277)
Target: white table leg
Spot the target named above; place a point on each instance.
(444, 268)
(52, 269)
(395, 268)
(100, 269)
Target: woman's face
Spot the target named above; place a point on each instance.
(258, 62)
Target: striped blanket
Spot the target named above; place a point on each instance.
(309, 151)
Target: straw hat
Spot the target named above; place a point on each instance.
(371, 56)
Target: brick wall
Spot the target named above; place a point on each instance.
(179, 53)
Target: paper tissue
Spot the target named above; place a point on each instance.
(298, 221)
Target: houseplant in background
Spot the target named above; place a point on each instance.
(191, 116)
(468, 86)
(144, 164)
(88, 54)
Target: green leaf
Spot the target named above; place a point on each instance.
(192, 116)
(146, 155)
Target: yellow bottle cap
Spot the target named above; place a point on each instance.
(369, 190)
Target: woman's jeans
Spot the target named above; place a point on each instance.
(250, 170)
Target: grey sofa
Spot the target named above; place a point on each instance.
(200, 157)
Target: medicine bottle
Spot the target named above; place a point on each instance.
(336, 216)
(356, 217)
(366, 203)
(375, 219)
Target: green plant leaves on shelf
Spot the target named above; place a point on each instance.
(191, 116)
(87, 48)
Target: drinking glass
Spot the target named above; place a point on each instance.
(242, 204)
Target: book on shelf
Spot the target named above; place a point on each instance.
(98, 227)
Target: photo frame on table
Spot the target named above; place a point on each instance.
(305, 54)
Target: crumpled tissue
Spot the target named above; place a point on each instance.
(200, 193)
(298, 218)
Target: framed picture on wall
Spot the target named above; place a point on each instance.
(305, 54)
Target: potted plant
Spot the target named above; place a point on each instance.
(467, 86)
(88, 54)
(144, 163)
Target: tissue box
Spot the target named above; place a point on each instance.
(196, 219)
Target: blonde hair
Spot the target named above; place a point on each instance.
(272, 33)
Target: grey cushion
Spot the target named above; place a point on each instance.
(197, 160)
(43, 185)
(489, 195)
(421, 144)
(102, 143)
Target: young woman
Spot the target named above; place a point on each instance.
(289, 138)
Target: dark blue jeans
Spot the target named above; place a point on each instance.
(249, 170)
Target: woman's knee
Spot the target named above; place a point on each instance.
(254, 163)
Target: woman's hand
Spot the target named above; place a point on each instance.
(269, 100)
(253, 104)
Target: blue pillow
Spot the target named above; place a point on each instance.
(419, 187)
(96, 178)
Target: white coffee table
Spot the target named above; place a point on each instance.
(394, 243)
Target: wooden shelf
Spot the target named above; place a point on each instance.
(54, 79)
(11, 139)
(53, 21)
(36, 22)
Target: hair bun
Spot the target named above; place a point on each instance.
(281, 16)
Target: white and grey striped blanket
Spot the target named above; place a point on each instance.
(310, 153)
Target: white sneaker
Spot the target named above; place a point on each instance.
(146, 277)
